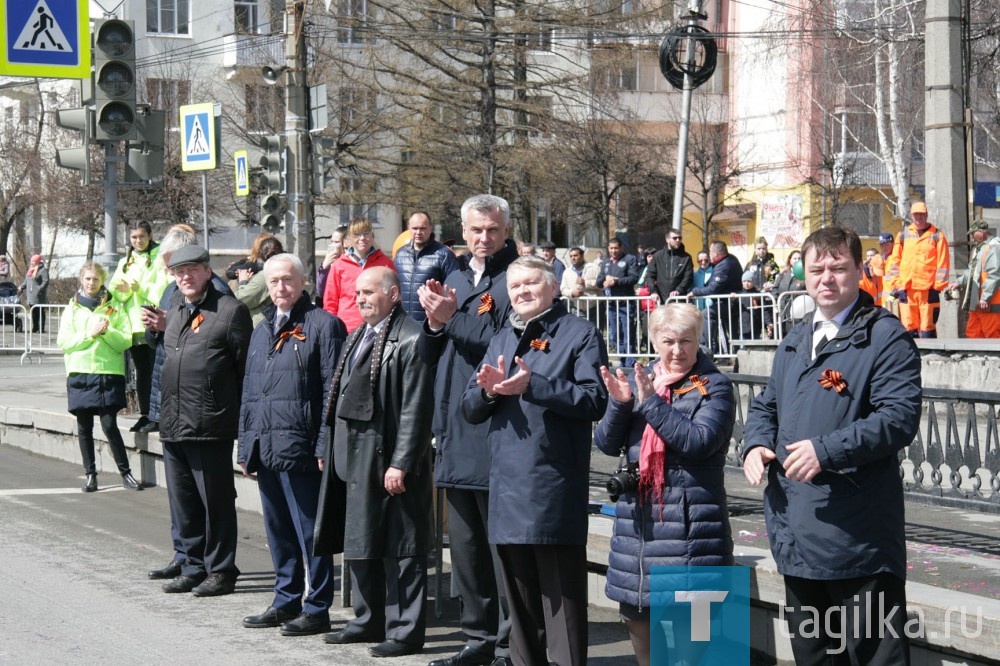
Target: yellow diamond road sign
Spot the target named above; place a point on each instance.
(45, 38)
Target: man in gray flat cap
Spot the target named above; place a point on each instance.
(206, 339)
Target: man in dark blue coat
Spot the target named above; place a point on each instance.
(420, 260)
(721, 316)
(463, 315)
(842, 400)
(282, 436)
(540, 390)
(618, 277)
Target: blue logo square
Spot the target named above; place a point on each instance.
(699, 616)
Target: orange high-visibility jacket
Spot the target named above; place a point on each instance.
(919, 260)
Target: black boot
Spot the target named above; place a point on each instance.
(91, 484)
(129, 482)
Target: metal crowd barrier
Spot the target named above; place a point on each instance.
(12, 327)
(728, 320)
(44, 340)
(954, 459)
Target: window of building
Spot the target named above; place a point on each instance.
(444, 21)
(265, 107)
(865, 219)
(356, 106)
(168, 17)
(614, 76)
(352, 19)
(540, 40)
(353, 195)
(247, 17)
(540, 115)
(169, 95)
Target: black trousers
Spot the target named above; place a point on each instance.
(85, 434)
(390, 598)
(142, 359)
(37, 320)
(547, 592)
(475, 573)
(202, 497)
(840, 622)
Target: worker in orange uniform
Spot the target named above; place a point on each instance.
(980, 284)
(872, 272)
(920, 264)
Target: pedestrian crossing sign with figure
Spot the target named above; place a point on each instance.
(198, 139)
(45, 38)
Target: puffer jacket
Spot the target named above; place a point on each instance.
(339, 297)
(202, 377)
(433, 261)
(848, 521)
(146, 270)
(688, 524)
(285, 388)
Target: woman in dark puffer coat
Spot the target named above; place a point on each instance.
(676, 423)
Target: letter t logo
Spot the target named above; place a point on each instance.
(701, 605)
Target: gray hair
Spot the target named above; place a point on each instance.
(530, 262)
(175, 239)
(677, 318)
(284, 257)
(487, 204)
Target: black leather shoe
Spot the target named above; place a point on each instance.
(502, 661)
(183, 583)
(152, 426)
(343, 638)
(91, 484)
(272, 617)
(142, 422)
(216, 585)
(394, 648)
(172, 570)
(306, 625)
(129, 482)
(467, 656)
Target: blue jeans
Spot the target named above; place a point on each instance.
(621, 330)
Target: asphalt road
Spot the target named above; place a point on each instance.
(74, 587)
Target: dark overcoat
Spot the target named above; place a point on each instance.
(463, 456)
(285, 389)
(540, 441)
(688, 523)
(399, 435)
(847, 521)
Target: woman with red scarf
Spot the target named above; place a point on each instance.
(675, 421)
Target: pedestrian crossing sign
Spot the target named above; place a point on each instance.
(240, 160)
(45, 38)
(198, 139)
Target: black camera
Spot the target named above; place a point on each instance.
(624, 480)
(242, 264)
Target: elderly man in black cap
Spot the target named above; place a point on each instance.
(206, 341)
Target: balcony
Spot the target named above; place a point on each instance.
(253, 51)
(862, 169)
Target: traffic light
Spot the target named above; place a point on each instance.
(114, 72)
(274, 163)
(81, 120)
(272, 212)
(322, 162)
(145, 154)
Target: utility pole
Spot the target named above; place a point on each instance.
(944, 132)
(299, 229)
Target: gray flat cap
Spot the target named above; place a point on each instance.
(547, 245)
(189, 254)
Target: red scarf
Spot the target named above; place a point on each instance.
(653, 450)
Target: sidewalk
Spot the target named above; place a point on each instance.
(954, 555)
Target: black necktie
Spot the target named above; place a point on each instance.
(364, 346)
